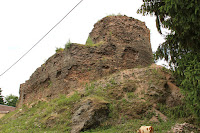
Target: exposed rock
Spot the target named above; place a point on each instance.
(184, 128)
(116, 68)
(89, 114)
(129, 86)
(125, 44)
(134, 89)
(157, 92)
(131, 37)
(175, 98)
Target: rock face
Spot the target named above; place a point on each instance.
(89, 114)
(124, 44)
(184, 128)
(124, 31)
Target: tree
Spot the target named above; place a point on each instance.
(1, 97)
(182, 45)
(11, 100)
(182, 18)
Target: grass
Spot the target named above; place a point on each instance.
(180, 111)
(68, 44)
(131, 126)
(59, 50)
(119, 14)
(43, 117)
(90, 43)
(127, 112)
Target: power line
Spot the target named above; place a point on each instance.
(41, 39)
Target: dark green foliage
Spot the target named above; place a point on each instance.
(1, 97)
(188, 73)
(1, 100)
(11, 100)
(68, 44)
(182, 45)
(182, 18)
(176, 112)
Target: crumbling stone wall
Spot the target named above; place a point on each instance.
(125, 44)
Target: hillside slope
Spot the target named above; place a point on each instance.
(120, 102)
(108, 85)
(115, 43)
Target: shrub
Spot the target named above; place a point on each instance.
(68, 44)
(59, 50)
(188, 75)
(89, 42)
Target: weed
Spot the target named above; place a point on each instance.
(50, 83)
(89, 89)
(68, 44)
(154, 71)
(132, 95)
(119, 14)
(59, 50)
(113, 82)
(43, 117)
(131, 126)
(149, 115)
(89, 42)
(129, 86)
(164, 69)
(63, 100)
(180, 111)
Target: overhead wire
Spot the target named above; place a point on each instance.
(41, 39)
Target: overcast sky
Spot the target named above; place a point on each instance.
(24, 22)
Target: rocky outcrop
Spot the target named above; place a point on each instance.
(123, 43)
(124, 30)
(89, 114)
(184, 128)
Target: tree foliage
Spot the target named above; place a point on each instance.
(1, 97)
(11, 100)
(182, 18)
(182, 45)
(188, 73)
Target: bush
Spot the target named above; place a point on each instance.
(188, 75)
(59, 50)
(68, 44)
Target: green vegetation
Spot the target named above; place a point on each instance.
(180, 111)
(131, 126)
(119, 14)
(182, 45)
(68, 44)
(90, 43)
(119, 118)
(11, 100)
(188, 74)
(1, 97)
(59, 50)
(41, 117)
(127, 110)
